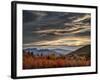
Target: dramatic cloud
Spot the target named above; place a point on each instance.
(56, 28)
(85, 17)
(67, 41)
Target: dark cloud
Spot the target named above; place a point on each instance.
(85, 33)
(46, 26)
(28, 16)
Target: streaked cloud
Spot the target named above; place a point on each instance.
(56, 28)
(82, 18)
(67, 41)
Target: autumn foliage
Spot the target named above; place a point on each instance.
(51, 61)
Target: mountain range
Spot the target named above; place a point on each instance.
(46, 52)
(85, 50)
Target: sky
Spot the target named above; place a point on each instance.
(56, 28)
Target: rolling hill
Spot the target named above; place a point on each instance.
(83, 51)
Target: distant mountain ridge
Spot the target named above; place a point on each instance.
(46, 52)
(83, 51)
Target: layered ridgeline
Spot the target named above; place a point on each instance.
(83, 51)
(46, 52)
